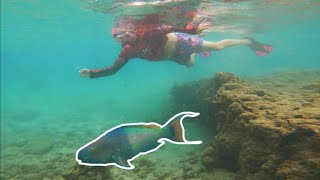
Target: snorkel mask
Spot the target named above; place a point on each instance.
(125, 39)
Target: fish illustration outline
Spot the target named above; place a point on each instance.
(124, 163)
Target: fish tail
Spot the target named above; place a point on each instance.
(174, 129)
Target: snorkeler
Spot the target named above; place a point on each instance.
(169, 43)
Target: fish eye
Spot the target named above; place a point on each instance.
(93, 149)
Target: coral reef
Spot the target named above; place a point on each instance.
(266, 128)
(87, 172)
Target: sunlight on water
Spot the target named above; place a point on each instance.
(234, 16)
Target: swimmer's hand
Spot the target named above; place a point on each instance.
(85, 73)
(203, 26)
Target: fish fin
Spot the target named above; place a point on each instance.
(174, 128)
(176, 131)
(121, 161)
(149, 126)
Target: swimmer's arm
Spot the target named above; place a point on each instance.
(194, 29)
(117, 65)
(188, 30)
(96, 73)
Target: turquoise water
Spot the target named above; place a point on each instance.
(48, 111)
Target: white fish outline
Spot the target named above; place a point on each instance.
(161, 140)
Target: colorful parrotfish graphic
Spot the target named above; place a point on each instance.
(122, 144)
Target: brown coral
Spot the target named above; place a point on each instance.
(267, 129)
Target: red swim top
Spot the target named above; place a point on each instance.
(149, 45)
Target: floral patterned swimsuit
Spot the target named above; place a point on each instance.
(186, 45)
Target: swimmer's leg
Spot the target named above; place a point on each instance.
(226, 43)
(191, 60)
(259, 48)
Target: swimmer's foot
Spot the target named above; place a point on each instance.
(259, 48)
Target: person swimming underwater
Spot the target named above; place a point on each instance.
(158, 43)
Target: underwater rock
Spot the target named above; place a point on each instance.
(266, 129)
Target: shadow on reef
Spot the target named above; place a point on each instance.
(266, 128)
